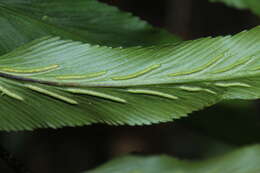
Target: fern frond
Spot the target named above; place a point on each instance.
(87, 21)
(54, 83)
(253, 5)
(233, 162)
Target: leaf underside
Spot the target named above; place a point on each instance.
(245, 160)
(253, 5)
(55, 83)
(87, 21)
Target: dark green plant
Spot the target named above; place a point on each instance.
(242, 4)
(87, 62)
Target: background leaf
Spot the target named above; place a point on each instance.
(245, 160)
(253, 5)
(88, 21)
(56, 83)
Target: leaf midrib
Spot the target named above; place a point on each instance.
(125, 84)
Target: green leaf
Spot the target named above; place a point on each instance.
(88, 21)
(253, 5)
(245, 160)
(55, 83)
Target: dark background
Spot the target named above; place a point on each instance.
(203, 134)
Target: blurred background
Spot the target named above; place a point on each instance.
(203, 134)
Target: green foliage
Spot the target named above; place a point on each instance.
(86, 62)
(245, 160)
(88, 21)
(56, 83)
(253, 5)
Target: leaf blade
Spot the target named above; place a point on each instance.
(22, 21)
(148, 92)
(234, 161)
(253, 5)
